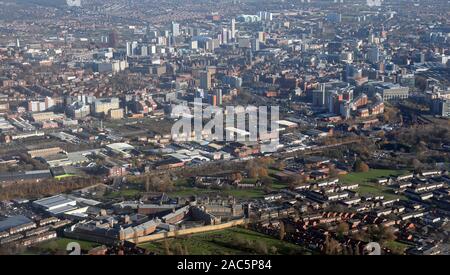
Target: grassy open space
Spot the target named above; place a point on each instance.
(126, 193)
(233, 241)
(397, 247)
(181, 182)
(246, 193)
(64, 176)
(250, 193)
(367, 184)
(183, 189)
(278, 186)
(58, 246)
(371, 175)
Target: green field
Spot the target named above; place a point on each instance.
(58, 246)
(183, 189)
(64, 176)
(233, 241)
(371, 175)
(183, 182)
(367, 184)
(125, 193)
(397, 247)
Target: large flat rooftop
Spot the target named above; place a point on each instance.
(54, 202)
(9, 222)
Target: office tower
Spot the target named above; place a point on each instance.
(41, 105)
(265, 16)
(129, 49)
(153, 34)
(162, 40)
(224, 35)
(113, 39)
(196, 32)
(349, 72)
(334, 102)
(319, 96)
(215, 43)
(152, 49)
(205, 80)
(262, 15)
(103, 39)
(371, 38)
(262, 37)
(134, 47)
(104, 105)
(249, 56)
(175, 29)
(373, 55)
(255, 44)
(233, 28)
(165, 33)
(441, 107)
(144, 51)
(229, 36)
(422, 58)
(194, 44)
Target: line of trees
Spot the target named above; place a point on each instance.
(44, 188)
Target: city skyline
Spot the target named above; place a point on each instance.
(228, 127)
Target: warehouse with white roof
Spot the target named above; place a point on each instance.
(56, 205)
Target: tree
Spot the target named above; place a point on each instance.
(147, 183)
(331, 247)
(350, 250)
(236, 177)
(388, 234)
(266, 181)
(381, 234)
(280, 165)
(390, 114)
(342, 228)
(159, 184)
(179, 250)
(333, 173)
(261, 248)
(273, 250)
(253, 172)
(361, 166)
(257, 168)
(166, 247)
(262, 172)
(296, 181)
(417, 165)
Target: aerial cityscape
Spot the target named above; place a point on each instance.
(226, 127)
